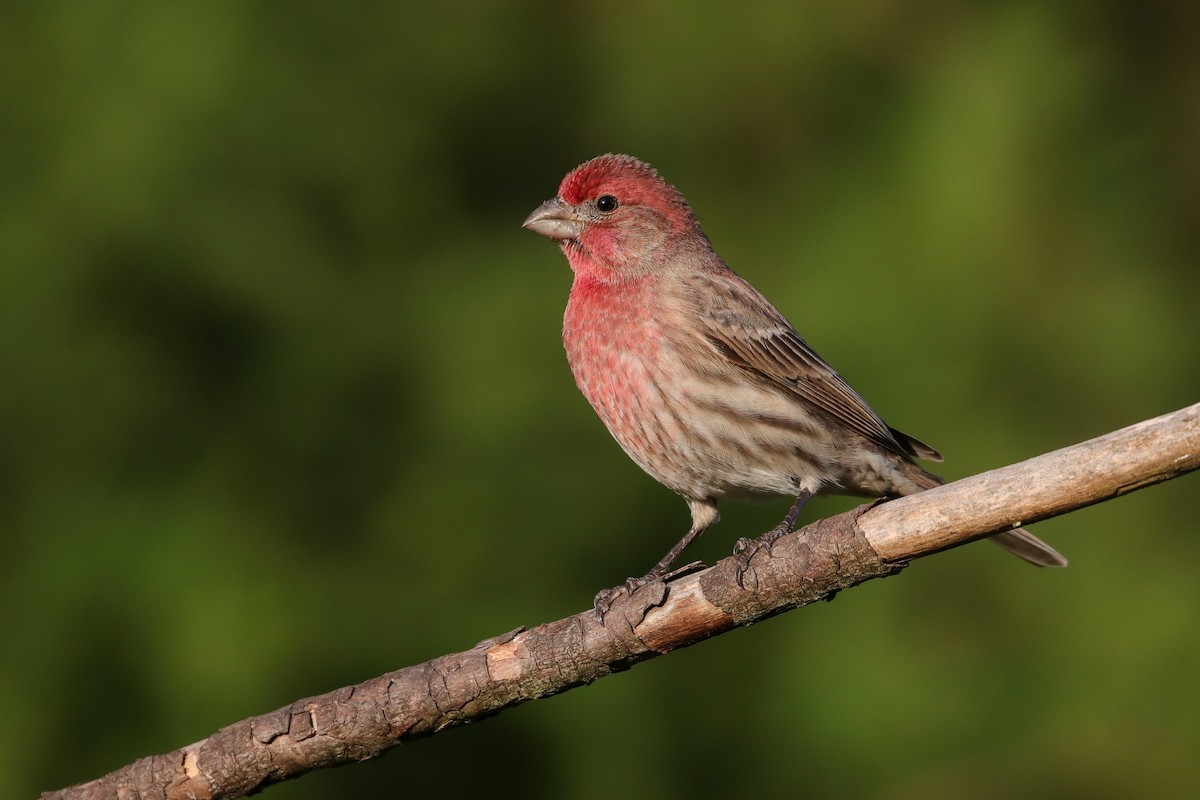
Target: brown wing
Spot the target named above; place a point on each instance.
(742, 325)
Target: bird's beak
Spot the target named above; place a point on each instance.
(554, 219)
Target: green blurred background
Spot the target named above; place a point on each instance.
(283, 404)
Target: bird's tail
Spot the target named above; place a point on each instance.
(1019, 542)
(1024, 544)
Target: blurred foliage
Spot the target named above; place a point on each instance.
(283, 405)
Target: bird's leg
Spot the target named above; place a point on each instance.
(789, 521)
(664, 564)
(662, 569)
(745, 548)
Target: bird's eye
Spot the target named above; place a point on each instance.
(607, 203)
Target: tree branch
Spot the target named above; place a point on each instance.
(360, 722)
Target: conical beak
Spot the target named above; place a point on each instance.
(554, 219)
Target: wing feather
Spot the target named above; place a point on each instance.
(744, 327)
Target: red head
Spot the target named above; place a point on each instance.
(613, 215)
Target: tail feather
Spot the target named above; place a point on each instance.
(1019, 541)
(1023, 544)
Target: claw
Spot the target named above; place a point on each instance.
(743, 552)
(605, 598)
(746, 548)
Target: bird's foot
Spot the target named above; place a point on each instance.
(606, 598)
(746, 548)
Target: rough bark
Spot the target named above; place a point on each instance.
(360, 722)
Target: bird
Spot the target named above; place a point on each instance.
(699, 378)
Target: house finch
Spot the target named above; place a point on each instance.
(698, 377)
